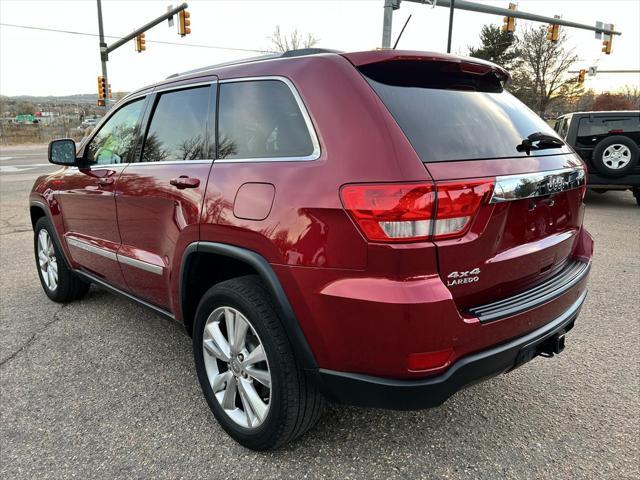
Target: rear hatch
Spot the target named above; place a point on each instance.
(478, 141)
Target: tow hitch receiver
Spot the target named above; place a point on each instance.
(553, 345)
(548, 348)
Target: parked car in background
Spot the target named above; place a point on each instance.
(609, 143)
(377, 228)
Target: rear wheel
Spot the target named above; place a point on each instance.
(247, 370)
(615, 156)
(58, 282)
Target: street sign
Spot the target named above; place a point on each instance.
(170, 19)
(592, 71)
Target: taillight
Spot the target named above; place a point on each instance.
(405, 212)
(391, 212)
(458, 203)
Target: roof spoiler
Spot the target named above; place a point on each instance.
(463, 64)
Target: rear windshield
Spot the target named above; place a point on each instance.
(603, 126)
(451, 117)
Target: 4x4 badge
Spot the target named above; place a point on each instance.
(462, 277)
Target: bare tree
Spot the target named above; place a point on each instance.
(632, 93)
(283, 42)
(547, 65)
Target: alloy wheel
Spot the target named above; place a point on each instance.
(237, 367)
(47, 260)
(616, 156)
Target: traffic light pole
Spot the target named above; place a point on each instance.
(105, 49)
(391, 5)
(103, 54)
(451, 8)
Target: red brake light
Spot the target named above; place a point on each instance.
(458, 202)
(391, 212)
(409, 212)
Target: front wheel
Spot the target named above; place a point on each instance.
(58, 282)
(247, 370)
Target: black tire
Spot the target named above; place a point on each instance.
(636, 194)
(69, 287)
(295, 405)
(598, 152)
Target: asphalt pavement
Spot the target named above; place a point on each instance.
(102, 388)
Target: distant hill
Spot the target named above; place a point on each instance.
(80, 98)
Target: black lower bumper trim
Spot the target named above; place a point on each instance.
(368, 391)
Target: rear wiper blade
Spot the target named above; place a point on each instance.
(539, 141)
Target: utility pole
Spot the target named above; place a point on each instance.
(389, 7)
(105, 49)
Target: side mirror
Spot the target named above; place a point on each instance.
(63, 152)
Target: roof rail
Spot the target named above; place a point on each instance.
(307, 51)
(288, 54)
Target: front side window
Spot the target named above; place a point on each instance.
(177, 127)
(261, 119)
(115, 140)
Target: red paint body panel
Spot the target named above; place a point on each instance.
(157, 221)
(363, 307)
(86, 199)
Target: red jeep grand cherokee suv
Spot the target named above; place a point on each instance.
(376, 228)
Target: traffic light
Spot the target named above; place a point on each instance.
(184, 23)
(607, 43)
(581, 74)
(109, 91)
(102, 91)
(509, 24)
(553, 31)
(141, 43)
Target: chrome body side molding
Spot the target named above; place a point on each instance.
(92, 248)
(116, 257)
(539, 184)
(146, 266)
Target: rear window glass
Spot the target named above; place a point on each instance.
(457, 118)
(261, 119)
(177, 128)
(602, 126)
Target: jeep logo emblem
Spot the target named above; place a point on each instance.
(555, 184)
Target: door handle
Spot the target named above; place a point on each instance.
(184, 182)
(105, 181)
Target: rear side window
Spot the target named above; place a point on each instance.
(261, 119)
(177, 130)
(115, 139)
(603, 126)
(455, 117)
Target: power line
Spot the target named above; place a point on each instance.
(197, 45)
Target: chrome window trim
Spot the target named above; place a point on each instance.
(164, 162)
(92, 248)
(116, 257)
(305, 115)
(530, 185)
(142, 265)
(183, 86)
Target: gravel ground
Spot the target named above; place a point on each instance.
(102, 388)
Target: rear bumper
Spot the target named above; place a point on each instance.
(369, 391)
